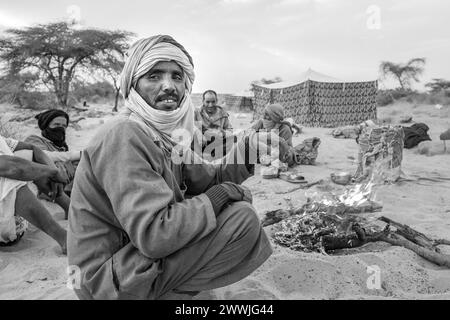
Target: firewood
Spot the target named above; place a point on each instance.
(442, 241)
(315, 229)
(275, 216)
(411, 234)
(303, 186)
(430, 255)
(357, 238)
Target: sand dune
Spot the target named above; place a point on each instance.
(34, 270)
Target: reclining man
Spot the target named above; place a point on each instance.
(17, 203)
(144, 226)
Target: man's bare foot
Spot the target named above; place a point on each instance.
(63, 243)
(64, 249)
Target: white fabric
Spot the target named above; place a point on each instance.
(8, 192)
(12, 143)
(165, 121)
(63, 156)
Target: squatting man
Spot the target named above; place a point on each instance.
(143, 226)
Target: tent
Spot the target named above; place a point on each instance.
(318, 100)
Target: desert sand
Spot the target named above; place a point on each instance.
(33, 269)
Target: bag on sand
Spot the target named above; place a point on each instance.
(305, 152)
(380, 149)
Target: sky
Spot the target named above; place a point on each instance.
(234, 42)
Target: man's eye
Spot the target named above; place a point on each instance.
(178, 77)
(153, 76)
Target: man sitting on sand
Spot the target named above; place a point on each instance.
(211, 116)
(273, 119)
(214, 123)
(53, 124)
(143, 225)
(17, 203)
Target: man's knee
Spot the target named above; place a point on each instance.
(241, 217)
(25, 195)
(26, 200)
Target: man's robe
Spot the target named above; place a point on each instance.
(140, 225)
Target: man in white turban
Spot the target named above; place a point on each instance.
(143, 226)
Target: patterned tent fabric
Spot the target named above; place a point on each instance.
(322, 104)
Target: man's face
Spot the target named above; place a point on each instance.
(163, 86)
(210, 102)
(58, 122)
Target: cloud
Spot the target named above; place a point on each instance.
(302, 2)
(269, 50)
(294, 2)
(9, 21)
(238, 1)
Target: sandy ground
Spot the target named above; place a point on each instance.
(33, 269)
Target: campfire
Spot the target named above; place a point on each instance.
(321, 225)
(328, 222)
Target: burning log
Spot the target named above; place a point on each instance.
(357, 238)
(275, 216)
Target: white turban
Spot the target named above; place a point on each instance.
(142, 57)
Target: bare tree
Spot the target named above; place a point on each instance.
(54, 52)
(111, 69)
(403, 73)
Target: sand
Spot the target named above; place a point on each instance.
(33, 269)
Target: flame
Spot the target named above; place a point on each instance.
(363, 192)
(359, 194)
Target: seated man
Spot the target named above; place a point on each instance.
(144, 225)
(53, 124)
(211, 115)
(213, 121)
(17, 203)
(273, 119)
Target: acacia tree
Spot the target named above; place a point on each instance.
(54, 52)
(404, 73)
(437, 85)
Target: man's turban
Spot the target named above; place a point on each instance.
(275, 112)
(146, 53)
(46, 117)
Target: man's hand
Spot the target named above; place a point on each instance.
(237, 192)
(227, 192)
(50, 182)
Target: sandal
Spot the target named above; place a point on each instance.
(293, 178)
